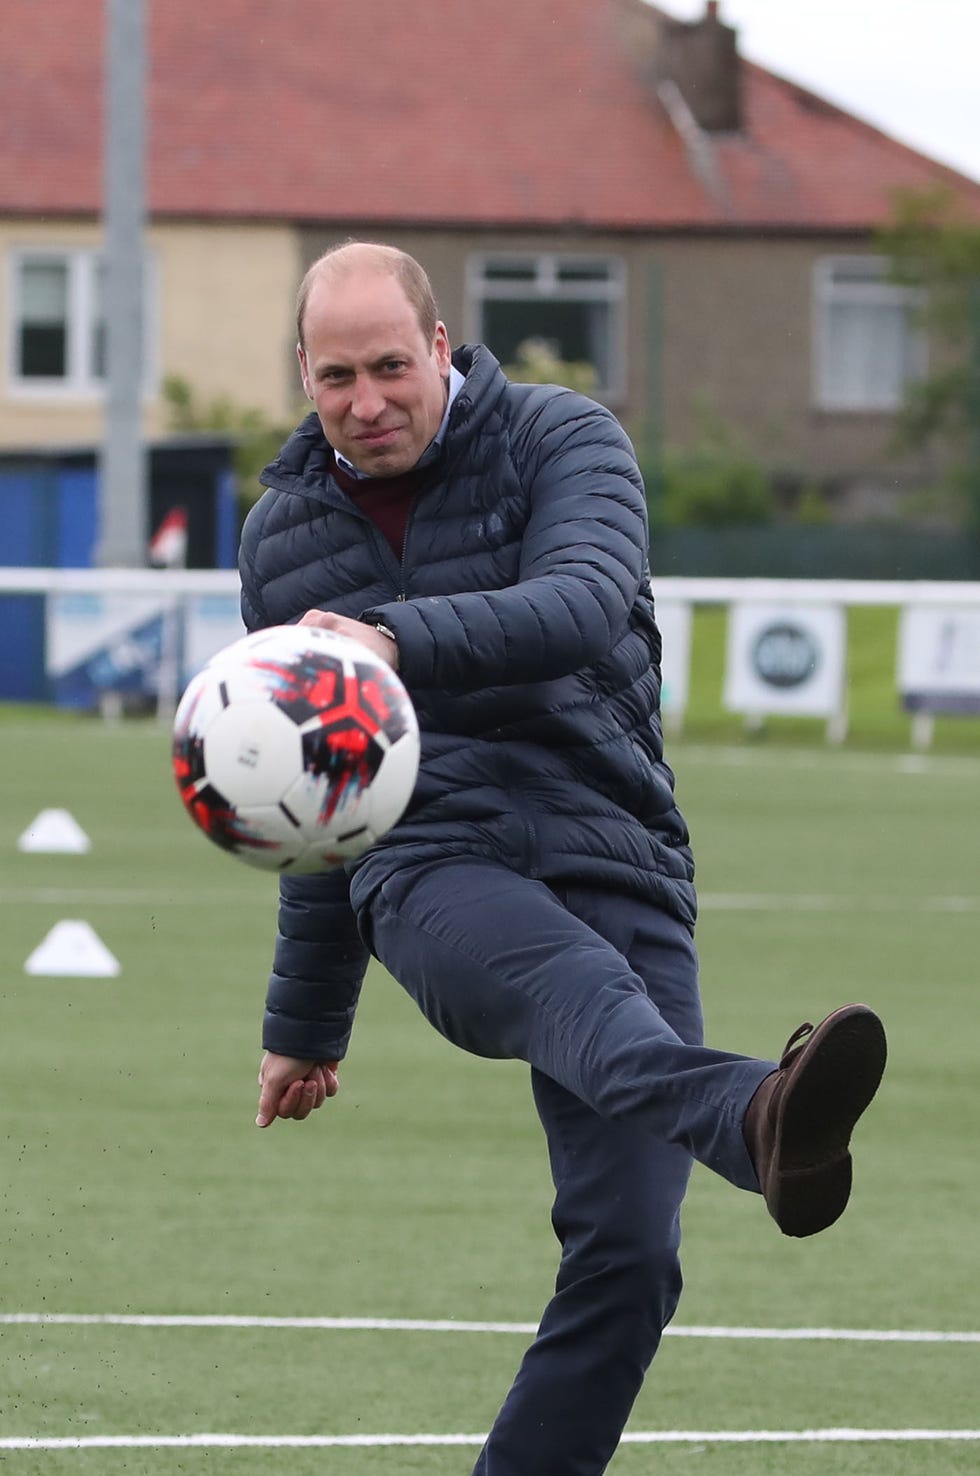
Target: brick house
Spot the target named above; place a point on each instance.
(591, 172)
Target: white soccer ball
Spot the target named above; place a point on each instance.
(295, 749)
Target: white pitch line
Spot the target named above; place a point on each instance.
(710, 901)
(933, 766)
(157, 901)
(832, 902)
(447, 1325)
(826, 1334)
(633, 1437)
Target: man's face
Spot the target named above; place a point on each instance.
(379, 388)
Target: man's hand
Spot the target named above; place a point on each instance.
(289, 1087)
(369, 635)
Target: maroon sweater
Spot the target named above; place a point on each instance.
(387, 501)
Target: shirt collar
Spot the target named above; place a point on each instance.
(456, 382)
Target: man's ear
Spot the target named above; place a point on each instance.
(442, 350)
(304, 372)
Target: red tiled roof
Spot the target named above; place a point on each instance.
(458, 112)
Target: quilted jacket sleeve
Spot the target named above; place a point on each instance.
(317, 971)
(319, 961)
(584, 556)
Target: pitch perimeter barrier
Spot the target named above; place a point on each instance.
(117, 634)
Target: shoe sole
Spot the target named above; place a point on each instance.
(838, 1073)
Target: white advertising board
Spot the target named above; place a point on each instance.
(211, 622)
(939, 658)
(674, 622)
(81, 627)
(150, 644)
(103, 642)
(786, 659)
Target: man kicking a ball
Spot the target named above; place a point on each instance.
(490, 541)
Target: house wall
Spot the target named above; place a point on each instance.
(739, 343)
(229, 292)
(224, 310)
(716, 327)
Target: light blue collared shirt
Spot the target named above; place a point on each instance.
(456, 382)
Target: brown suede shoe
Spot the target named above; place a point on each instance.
(799, 1122)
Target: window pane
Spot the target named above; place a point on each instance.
(576, 332)
(858, 269)
(502, 270)
(887, 362)
(97, 337)
(43, 352)
(43, 329)
(583, 271)
(842, 363)
(44, 292)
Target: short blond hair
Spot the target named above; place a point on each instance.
(341, 261)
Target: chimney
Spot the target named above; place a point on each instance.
(701, 58)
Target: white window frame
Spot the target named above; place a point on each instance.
(79, 382)
(870, 292)
(547, 286)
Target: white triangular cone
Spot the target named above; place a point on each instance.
(74, 950)
(54, 830)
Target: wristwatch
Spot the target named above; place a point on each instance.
(384, 629)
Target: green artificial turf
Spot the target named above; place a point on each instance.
(133, 1181)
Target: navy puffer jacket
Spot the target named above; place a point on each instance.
(526, 638)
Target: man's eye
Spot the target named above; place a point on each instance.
(393, 366)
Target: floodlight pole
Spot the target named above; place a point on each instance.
(123, 470)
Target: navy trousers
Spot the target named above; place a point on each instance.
(599, 994)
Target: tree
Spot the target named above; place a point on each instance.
(539, 362)
(934, 247)
(256, 439)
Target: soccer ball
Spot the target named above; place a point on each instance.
(295, 749)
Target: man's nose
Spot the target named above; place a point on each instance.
(367, 401)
